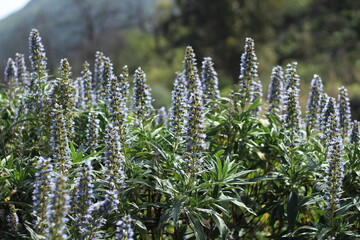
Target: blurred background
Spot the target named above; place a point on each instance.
(323, 36)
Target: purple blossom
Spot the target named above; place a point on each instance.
(344, 112)
(313, 110)
(275, 96)
(209, 80)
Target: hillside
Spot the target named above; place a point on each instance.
(69, 26)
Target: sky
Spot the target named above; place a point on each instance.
(8, 7)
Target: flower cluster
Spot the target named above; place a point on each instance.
(107, 76)
(328, 110)
(38, 60)
(344, 112)
(210, 83)
(83, 196)
(13, 219)
(118, 90)
(313, 110)
(141, 99)
(86, 77)
(63, 93)
(178, 107)
(57, 209)
(114, 164)
(275, 96)
(92, 131)
(123, 229)
(43, 176)
(335, 163)
(59, 138)
(190, 73)
(292, 113)
(98, 74)
(248, 79)
(22, 75)
(11, 74)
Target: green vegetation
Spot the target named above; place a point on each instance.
(86, 158)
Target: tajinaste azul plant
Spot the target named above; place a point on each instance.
(292, 113)
(209, 79)
(117, 100)
(22, 75)
(190, 74)
(248, 78)
(98, 75)
(11, 74)
(107, 75)
(141, 100)
(335, 165)
(344, 112)
(57, 209)
(178, 107)
(313, 110)
(86, 76)
(38, 72)
(195, 133)
(114, 164)
(92, 131)
(124, 230)
(275, 96)
(63, 94)
(194, 127)
(42, 189)
(83, 197)
(329, 109)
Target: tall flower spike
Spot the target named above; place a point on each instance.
(195, 133)
(22, 75)
(313, 110)
(42, 189)
(11, 74)
(107, 75)
(83, 196)
(141, 100)
(248, 72)
(355, 133)
(114, 164)
(13, 219)
(88, 88)
(328, 110)
(335, 164)
(58, 208)
(292, 112)
(98, 74)
(117, 100)
(178, 107)
(275, 96)
(37, 57)
(92, 131)
(210, 83)
(190, 74)
(344, 112)
(63, 94)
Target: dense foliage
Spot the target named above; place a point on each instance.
(90, 159)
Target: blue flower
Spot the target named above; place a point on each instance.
(313, 110)
(209, 80)
(344, 112)
(275, 96)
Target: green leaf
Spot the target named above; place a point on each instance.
(219, 223)
(292, 206)
(322, 233)
(177, 210)
(199, 233)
